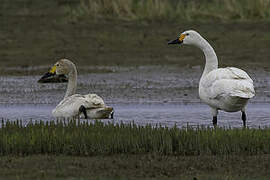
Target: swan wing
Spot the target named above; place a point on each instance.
(227, 87)
(236, 73)
(93, 101)
(228, 82)
(69, 106)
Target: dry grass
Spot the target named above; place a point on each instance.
(173, 9)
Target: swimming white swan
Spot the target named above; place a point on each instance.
(227, 89)
(76, 105)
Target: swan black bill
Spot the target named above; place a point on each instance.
(53, 78)
(176, 41)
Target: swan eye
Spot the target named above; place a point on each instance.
(187, 34)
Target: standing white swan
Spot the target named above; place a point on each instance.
(76, 105)
(227, 89)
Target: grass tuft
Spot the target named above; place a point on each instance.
(86, 139)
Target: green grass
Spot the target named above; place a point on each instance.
(86, 139)
(191, 10)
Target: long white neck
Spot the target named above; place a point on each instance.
(72, 81)
(210, 57)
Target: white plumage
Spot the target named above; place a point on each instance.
(227, 89)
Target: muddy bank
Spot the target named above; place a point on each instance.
(143, 166)
(124, 84)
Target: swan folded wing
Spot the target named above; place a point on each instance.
(88, 100)
(228, 82)
(93, 101)
(227, 87)
(227, 73)
(69, 106)
(235, 73)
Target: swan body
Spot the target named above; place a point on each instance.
(77, 105)
(227, 89)
(95, 107)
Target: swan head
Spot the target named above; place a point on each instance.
(58, 72)
(189, 37)
(62, 67)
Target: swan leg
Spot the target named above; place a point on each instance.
(112, 115)
(82, 109)
(215, 121)
(244, 118)
(214, 114)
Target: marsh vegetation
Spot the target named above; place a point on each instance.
(72, 149)
(96, 138)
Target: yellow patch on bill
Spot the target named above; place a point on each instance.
(182, 37)
(53, 69)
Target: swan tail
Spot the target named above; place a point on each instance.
(107, 112)
(243, 95)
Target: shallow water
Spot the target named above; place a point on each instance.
(145, 94)
(165, 114)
